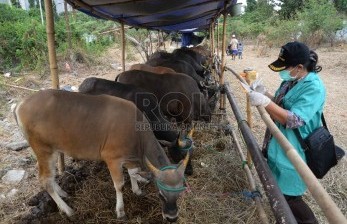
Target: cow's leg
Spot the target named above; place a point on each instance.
(60, 191)
(134, 178)
(46, 163)
(116, 171)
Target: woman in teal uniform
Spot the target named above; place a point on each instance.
(298, 103)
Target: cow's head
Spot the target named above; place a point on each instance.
(170, 183)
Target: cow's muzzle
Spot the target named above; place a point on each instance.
(170, 218)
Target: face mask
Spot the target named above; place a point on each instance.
(285, 75)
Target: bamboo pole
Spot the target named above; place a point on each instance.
(323, 199)
(223, 97)
(53, 62)
(150, 43)
(249, 115)
(158, 41)
(246, 167)
(217, 37)
(19, 87)
(212, 39)
(278, 204)
(249, 118)
(123, 46)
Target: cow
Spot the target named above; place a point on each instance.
(170, 66)
(199, 69)
(199, 58)
(209, 88)
(148, 104)
(178, 94)
(98, 128)
(145, 101)
(202, 50)
(155, 69)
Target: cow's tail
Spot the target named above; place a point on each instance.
(13, 110)
(117, 78)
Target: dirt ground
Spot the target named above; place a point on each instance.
(31, 205)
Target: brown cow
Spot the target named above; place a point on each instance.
(97, 128)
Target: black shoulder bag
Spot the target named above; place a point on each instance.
(320, 150)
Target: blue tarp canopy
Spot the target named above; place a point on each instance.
(165, 15)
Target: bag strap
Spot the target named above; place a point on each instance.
(324, 123)
(302, 143)
(301, 140)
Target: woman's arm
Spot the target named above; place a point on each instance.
(277, 113)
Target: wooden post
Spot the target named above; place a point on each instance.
(222, 98)
(53, 62)
(251, 181)
(214, 71)
(158, 40)
(249, 117)
(217, 45)
(212, 39)
(150, 42)
(123, 46)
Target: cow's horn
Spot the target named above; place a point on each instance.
(152, 168)
(190, 133)
(183, 165)
(186, 159)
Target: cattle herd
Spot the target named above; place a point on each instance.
(127, 123)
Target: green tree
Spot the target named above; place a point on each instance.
(319, 20)
(251, 5)
(341, 5)
(289, 8)
(15, 3)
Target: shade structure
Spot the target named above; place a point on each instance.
(164, 15)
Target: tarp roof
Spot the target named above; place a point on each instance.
(165, 15)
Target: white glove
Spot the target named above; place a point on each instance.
(258, 99)
(258, 86)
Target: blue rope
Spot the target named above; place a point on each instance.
(251, 194)
(162, 186)
(190, 147)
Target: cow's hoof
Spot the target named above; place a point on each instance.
(123, 218)
(142, 194)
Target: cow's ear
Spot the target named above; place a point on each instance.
(166, 143)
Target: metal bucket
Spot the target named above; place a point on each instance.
(236, 9)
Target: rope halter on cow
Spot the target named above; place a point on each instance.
(164, 187)
(188, 145)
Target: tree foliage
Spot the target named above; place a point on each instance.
(319, 20)
(341, 6)
(289, 8)
(23, 39)
(310, 21)
(251, 5)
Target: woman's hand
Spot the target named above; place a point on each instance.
(258, 99)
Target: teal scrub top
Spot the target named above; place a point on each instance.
(306, 99)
